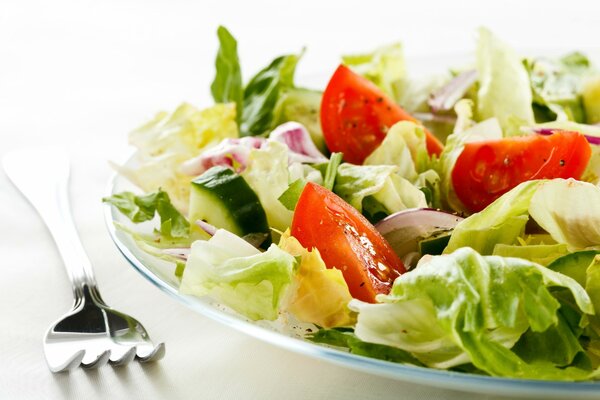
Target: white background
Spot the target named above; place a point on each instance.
(85, 73)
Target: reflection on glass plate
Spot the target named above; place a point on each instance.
(289, 336)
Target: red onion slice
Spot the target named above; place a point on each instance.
(549, 131)
(405, 229)
(444, 98)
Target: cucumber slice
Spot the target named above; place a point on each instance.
(222, 198)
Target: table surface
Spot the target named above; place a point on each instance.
(85, 73)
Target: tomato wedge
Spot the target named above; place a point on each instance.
(346, 241)
(485, 171)
(356, 115)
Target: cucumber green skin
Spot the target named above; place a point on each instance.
(434, 245)
(223, 198)
(574, 264)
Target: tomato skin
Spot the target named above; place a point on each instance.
(486, 170)
(346, 241)
(356, 115)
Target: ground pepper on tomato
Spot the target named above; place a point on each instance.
(486, 170)
(346, 241)
(356, 115)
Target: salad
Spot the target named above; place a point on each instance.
(450, 222)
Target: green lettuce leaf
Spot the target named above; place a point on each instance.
(569, 211)
(384, 67)
(380, 183)
(464, 307)
(557, 86)
(504, 89)
(235, 273)
(227, 87)
(347, 339)
(267, 174)
(169, 140)
(543, 254)
(262, 93)
(141, 208)
(591, 99)
(502, 222)
(404, 147)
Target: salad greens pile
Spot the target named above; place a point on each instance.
(514, 290)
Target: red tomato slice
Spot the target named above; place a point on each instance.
(356, 115)
(485, 171)
(346, 241)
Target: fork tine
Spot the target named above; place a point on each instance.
(125, 358)
(66, 364)
(154, 355)
(101, 360)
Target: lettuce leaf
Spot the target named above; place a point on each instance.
(501, 222)
(379, 183)
(464, 307)
(569, 211)
(263, 91)
(384, 67)
(504, 90)
(227, 87)
(234, 272)
(543, 254)
(557, 86)
(347, 339)
(320, 295)
(267, 174)
(169, 140)
(141, 208)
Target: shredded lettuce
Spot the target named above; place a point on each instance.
(231, 270)
(464, 307)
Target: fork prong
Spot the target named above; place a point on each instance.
(156, 354)
(124, 358)
(66, 364)
(101, 360)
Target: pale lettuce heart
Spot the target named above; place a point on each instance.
(234, 272)
(504, 89)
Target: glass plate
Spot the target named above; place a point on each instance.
(289, 335)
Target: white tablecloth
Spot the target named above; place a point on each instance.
(85, 73)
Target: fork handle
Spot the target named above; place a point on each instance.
(48, 193)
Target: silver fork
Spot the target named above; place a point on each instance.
(92, 333)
